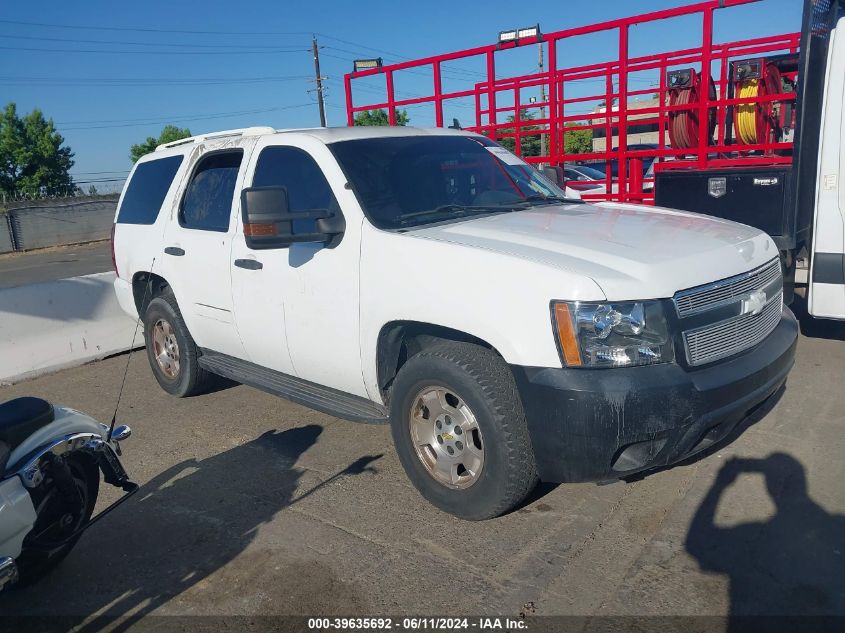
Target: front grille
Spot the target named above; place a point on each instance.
(713, 295)
(720, 340)
(732, 326)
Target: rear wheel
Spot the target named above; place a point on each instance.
(59, 514)
(172, 352)
(460, 432)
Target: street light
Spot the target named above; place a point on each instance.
(366, 64)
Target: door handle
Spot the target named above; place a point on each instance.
(174, 250)
(249, 264)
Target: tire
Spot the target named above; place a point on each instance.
(462, 386)
(166, 336)
(34, 563)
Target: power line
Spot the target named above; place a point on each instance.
(217, 32)
(98, 180)
(403, 57)
(148, 118)
(143, 81)
(148, 30)
(174, 119)
(451, 102)
(97, 173)
(131, 43)
(141, 52)
(446, 70)
(370, 48)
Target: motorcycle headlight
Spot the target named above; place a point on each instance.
(615, 334)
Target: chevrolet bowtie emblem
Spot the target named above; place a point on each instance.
(754, 303)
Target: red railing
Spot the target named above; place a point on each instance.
(717, 150)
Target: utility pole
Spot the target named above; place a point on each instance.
(319, 80)
(542, 97)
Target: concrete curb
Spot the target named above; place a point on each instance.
(49, 326)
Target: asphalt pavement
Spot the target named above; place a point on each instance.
(49, 264)
(251, 505)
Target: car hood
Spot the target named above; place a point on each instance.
(630, 251)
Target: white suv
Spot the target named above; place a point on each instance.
(508, 333)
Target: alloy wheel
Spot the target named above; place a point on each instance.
(166, 348)
(446, 437)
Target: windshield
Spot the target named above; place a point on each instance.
(407, 181)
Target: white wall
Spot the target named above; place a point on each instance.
(48, 326)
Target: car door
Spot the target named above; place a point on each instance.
(198, 241)
(296, 307)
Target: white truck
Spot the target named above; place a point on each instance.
(800, 203)
(428, 277)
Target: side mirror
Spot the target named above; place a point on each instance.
(555, 174)
(268, 222)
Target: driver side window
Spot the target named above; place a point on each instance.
(298, 172)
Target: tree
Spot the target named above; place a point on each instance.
(92, 190)
(577, 141)
(530, 145)
(33, 157)
(169, 133)
(379, 117)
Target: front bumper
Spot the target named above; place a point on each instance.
(599, 424)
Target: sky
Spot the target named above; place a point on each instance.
(110, 74)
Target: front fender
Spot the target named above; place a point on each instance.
(66, 422)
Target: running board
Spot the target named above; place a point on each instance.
(309, 394)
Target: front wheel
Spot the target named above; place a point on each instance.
(460, 432)
(61, 509)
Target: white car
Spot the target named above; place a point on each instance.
(586, 179)
(590, 180)
(432, 279)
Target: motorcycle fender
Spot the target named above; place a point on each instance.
(17, 516)
(66, 422)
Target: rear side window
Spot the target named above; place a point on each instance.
(207, 204)
(147, 189)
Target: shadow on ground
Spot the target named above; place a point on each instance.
(193, 520)
(791, 565)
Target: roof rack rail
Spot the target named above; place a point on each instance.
(246, 131)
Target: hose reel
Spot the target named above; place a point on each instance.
(761, 121)
(685, 89)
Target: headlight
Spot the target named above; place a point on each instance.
(612, 334)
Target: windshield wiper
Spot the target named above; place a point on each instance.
(535, 198)
(455, 211)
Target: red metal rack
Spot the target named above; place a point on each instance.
(709, 59)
